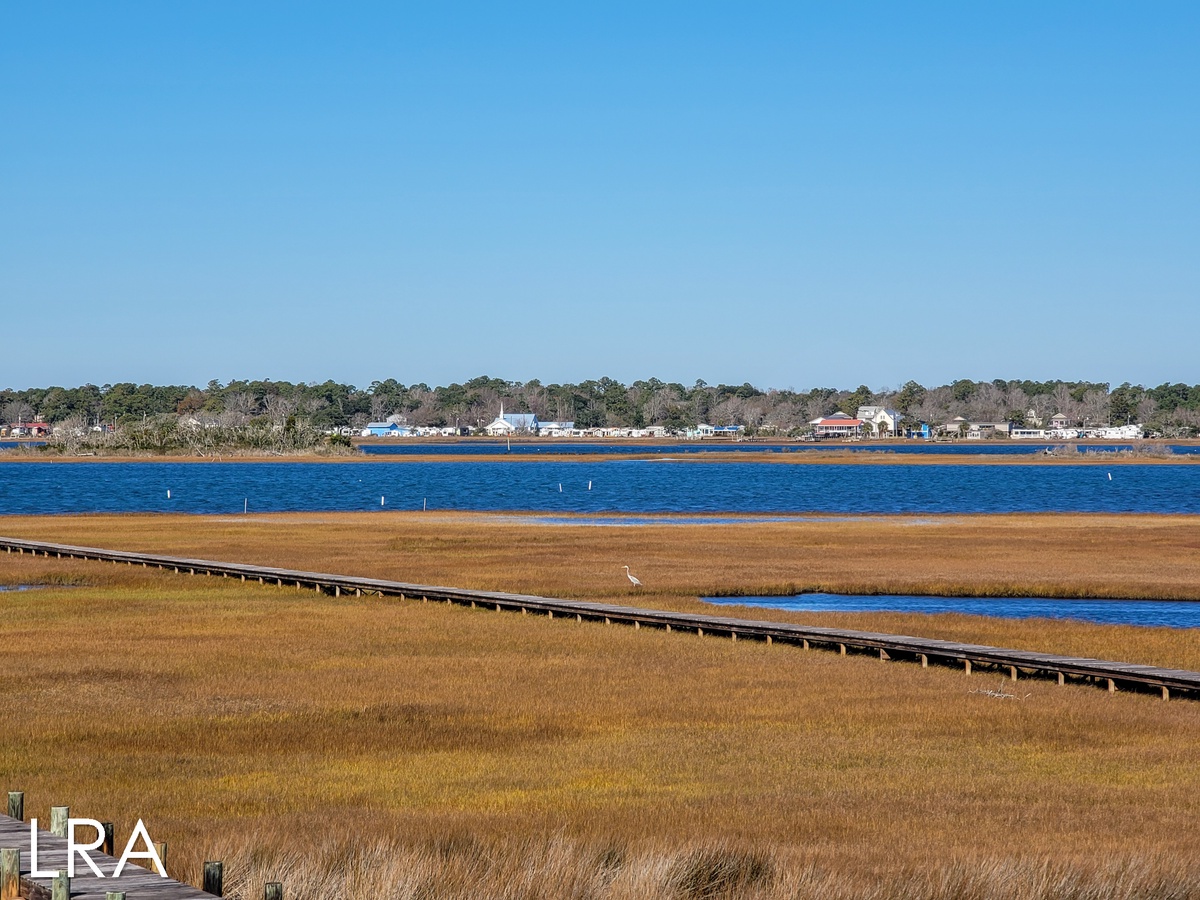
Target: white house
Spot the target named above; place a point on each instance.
(880, 421)
(513, 423)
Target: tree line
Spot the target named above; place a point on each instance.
(242, 406)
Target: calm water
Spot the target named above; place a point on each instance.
(618, 486)
(1170, 613)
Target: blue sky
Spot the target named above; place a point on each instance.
(792, 194)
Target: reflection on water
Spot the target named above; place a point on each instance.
(1168, 613)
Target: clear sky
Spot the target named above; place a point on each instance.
(792, 194)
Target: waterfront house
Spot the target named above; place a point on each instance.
(879, 421)
(507, 424)
(839, 425)
(385, 429)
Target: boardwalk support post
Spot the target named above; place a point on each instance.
(842, 649)
(273, 890)
(883, 655)
(214, 877)
(924, 661)
(114, 895)
(160, 847)
(16, 805)
(10, 874)
(1112, 686)
(1062, 679)
(58, 820)
(967, 666)
(1012, 673)
(62, 886)
(1166, 692)
(109, 846)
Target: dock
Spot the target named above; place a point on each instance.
(135, 881)
(1014, 664)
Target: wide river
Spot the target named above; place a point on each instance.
(606, 486)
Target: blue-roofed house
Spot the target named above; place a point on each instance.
(385, 429)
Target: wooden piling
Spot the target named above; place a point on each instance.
(924, 661)
(1166, 692)
(62, 886)
(10, 873)
(214, 878)
(273, 890)
(842, 649)
(883, 655)
(110, 845)
(1112, 686)
(967, 666)
(58, 820)
(16, 805)
(1012, 673)
(1062, 679)
(160, 847)
(768, 640)
(114, 895)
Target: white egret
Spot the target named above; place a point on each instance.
(633, 578)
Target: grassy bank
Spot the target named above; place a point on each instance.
(345, 745)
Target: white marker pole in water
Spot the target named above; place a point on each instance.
(589, 485)
(381, 500)
(424, 504)
(1110, 476)
(560, 487)
(168, 493)
(246, 506)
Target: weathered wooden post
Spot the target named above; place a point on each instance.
(110, 844)
(114, 895)
(58, 820)
(967, 666)
(160, 847)
(214, 877)
(16, 805)
(62, 886)
(10, 874)
(273, 890)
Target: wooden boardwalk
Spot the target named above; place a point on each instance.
(137, 883)
(1014, 663)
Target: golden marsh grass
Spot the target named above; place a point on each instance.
(358, 747)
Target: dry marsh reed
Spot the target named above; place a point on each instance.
(361, 747)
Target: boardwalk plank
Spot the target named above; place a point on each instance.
(1048, 663)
